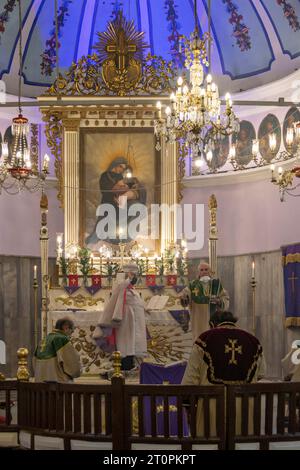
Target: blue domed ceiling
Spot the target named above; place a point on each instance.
(255, 41)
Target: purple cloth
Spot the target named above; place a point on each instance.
(291, 271)
(71, 289)
(92, 289)
(182, 317)
(156, 374)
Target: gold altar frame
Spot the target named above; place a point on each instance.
(64, 125)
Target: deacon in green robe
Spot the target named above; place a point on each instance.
(204, 295)
(55, 359)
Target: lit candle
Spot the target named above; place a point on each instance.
(290, 136)
(272, 141)
(158, 106)
(35, 272)
(228, 100)
(253, 269)
(46, 163)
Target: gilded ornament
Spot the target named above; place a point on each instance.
(79, 301)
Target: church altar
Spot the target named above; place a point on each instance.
(169, 335)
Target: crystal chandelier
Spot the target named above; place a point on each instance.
(284, 179)
(16, 169)
(195, 116)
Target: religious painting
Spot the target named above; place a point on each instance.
(269, 125)
(220, 153)
(292, 116)
(120, 181)
(243, 141)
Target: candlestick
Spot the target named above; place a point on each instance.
(253, 286)
(35, 291)
(46, 163)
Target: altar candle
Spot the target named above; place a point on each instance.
(35, 272)
(253, 269)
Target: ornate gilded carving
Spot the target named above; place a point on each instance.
(120, 50)
(53, 132)
(182, 150)
(79, 301)
(117, 68)
(213, 206)
(90, 354)
(71, 124)
(34, 147)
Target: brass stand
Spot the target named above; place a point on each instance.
(116, 357)
(35, 291)
(253, 286)
(23, 372)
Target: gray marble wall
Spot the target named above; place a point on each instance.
(17, 305)
(17, 308)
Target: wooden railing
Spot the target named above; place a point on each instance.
(167, 414)
(68, 411)
(129, 415)
(8, 396)
(274, 414)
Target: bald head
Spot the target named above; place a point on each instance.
(204, 269)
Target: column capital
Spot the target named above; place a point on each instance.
(71, 125)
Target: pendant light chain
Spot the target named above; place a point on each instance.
(20, 57)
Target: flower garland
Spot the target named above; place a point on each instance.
(290, 14)
(117, 7)
(174, 38)
(49, 55)
(240, 30)
(4, 16)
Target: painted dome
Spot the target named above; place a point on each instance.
(254, 41)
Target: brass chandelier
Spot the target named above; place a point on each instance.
(284, 179)
(16, 169)
(194, 116)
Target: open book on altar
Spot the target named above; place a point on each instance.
(157, 302)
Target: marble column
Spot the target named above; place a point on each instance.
(71, 181)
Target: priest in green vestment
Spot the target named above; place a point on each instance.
(204, 295)
(55, 359)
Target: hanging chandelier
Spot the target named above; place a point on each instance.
(195, 116)
(16, 169)
(284, 179)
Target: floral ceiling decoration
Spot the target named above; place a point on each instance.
(49, 55)
(244, 47)
(4, 16)
(290, 14)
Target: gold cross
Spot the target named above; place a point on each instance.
(122, 48)
(233, 348)
(196, 291)
(293, 279)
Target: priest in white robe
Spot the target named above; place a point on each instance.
(122, 322)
